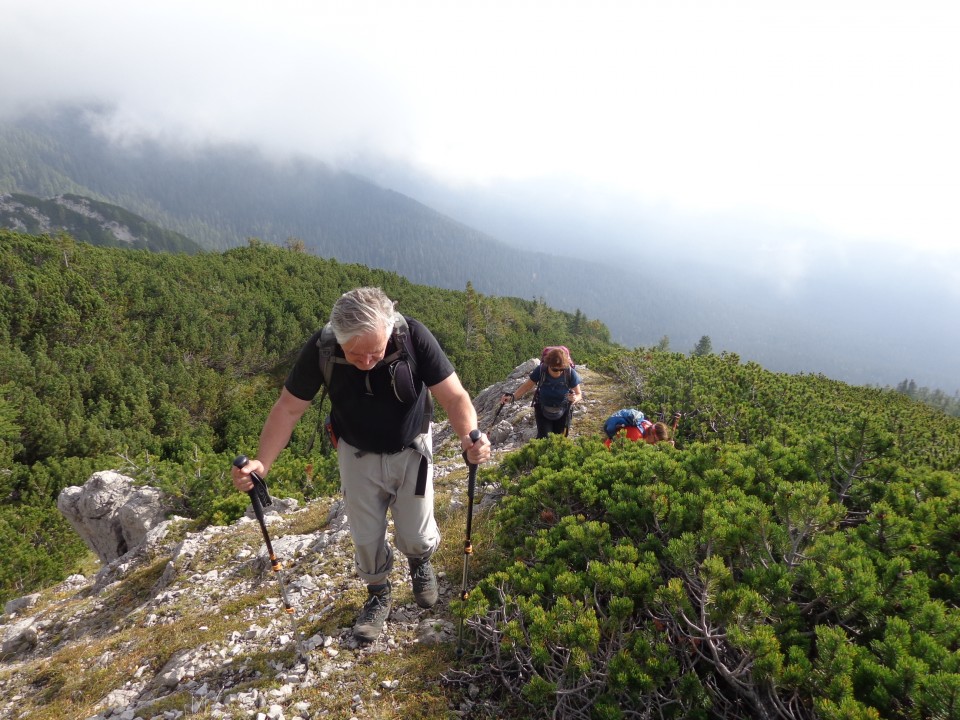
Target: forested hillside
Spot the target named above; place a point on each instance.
(221, 195)
(166, 365)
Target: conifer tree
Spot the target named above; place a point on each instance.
(703, 347)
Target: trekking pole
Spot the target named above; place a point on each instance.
(260, 497)
(467, 545)
(566, 429)
(497, 413)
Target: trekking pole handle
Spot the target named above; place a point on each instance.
(474, 436)
(259, 486)
(240, 461)
(471, 488)
(258, 493)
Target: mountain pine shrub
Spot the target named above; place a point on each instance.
(721, 580)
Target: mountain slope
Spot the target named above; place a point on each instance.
(89, 221)
(222, 195)
(860, 325)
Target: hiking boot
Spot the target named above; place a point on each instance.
(424, 582)
(375, 611)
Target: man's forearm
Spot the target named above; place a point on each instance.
(463, 416)
(276, 433)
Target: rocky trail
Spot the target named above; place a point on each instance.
(181, 621)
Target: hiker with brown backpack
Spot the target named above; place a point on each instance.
(556, 386)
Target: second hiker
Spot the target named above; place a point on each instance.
(632, 424)
(557, 386)
(377, 366)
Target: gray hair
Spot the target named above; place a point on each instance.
(360, 312)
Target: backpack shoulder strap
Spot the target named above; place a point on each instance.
(544, 373)
(402, 343)
(567, 375)
(405, 350)
(541, 379)
(326, 346)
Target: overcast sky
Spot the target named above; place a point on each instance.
(841, 116)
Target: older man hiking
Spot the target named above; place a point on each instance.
(377, 366)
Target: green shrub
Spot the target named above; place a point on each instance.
(721, 580)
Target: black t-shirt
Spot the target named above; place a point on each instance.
(373, 420)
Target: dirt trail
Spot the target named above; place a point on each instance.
(602, 396)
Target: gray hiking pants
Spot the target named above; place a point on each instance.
(372, 483)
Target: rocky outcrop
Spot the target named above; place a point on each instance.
(110, 514)
(205, 572)
(513, 425)
(19, 637)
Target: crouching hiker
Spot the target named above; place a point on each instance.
(376, 363)
(632, 424)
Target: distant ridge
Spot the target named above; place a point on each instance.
(90, 221)
(222, 195)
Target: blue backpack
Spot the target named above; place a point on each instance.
(621, 419)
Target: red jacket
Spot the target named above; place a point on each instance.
(632, 433)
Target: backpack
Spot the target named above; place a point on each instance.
(567, 374)
(625, 418)
(402, 363)
(563, 348)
